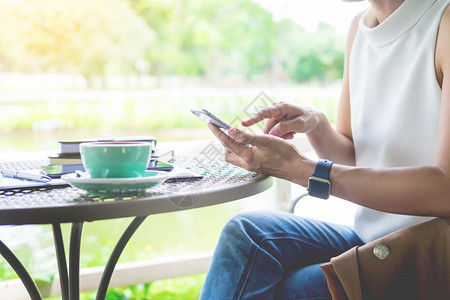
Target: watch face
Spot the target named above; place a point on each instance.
(319, 188)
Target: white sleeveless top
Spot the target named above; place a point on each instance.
(395, 100)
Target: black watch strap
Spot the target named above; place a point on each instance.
(319, 183)
(323, 169)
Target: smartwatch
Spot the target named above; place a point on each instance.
(319, 183)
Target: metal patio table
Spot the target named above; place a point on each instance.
(221, 183)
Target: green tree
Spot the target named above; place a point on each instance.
(202, 37)
(311, 55)
(85, 37)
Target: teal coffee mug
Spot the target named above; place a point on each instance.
(115, 159)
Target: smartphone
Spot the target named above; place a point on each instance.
(159, 165)
(55, 171)
(209, 117)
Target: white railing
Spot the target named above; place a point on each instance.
(125, 274)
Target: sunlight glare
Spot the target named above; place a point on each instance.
(310, 13)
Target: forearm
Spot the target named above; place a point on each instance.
(423, 191)
(409, 190)
(330, 144)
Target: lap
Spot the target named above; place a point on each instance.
(290, 286)
(263, 254)
(294, 240)
(300, 245)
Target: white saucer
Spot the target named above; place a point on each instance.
(117, 186)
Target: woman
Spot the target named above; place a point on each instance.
(389, 153)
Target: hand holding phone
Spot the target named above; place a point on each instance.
(208, 117)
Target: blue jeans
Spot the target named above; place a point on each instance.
(274, 255)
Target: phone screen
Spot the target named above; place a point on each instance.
(209, 117)
(158, 165)
(55, 171)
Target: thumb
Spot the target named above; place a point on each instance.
(246, 137)
(270, 123)
(283, 127)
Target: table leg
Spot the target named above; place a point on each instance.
(61, 259)
(109, 268)
(74, 261)
(20, 270)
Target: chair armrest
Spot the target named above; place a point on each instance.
(295, 201)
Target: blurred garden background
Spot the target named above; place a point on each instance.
(90, 68)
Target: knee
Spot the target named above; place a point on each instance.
(242, 225)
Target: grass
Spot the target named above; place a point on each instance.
(38, 125)
(137, 110)
(183, 288)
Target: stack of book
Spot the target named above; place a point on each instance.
(70, 149)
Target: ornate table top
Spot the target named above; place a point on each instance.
(221, 183)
